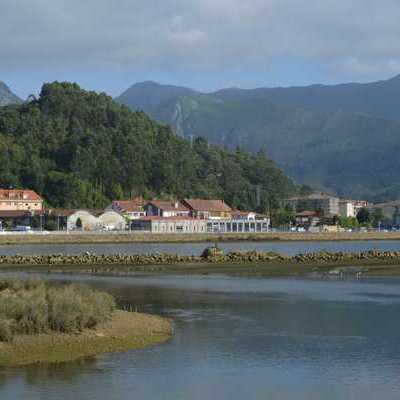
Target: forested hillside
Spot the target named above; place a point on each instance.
(81, 149)
(332, 137)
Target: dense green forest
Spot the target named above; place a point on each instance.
(82, 149)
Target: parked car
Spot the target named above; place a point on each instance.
(22, 228)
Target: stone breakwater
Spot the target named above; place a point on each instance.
(219, 258)
(336, 257)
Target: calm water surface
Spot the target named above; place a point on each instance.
(288, 248)
(239, 338)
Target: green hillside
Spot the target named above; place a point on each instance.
(81, 149)
(350, 153)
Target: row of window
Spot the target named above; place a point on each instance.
(12, 203)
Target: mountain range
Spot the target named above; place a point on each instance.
(340, 138)
(7, 96)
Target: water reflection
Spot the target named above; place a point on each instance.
(241, 338)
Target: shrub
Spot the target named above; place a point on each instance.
(35, 307)
(6, 334)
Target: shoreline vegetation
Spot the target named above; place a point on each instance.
(212, 261)
(43, 323)
(136, 237)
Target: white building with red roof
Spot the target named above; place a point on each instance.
(20, 200)
(208, 209)
(131, 209)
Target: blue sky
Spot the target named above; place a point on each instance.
(109, 45)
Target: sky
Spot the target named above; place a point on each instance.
(108, 45)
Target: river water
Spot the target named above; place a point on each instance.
(240, 338)
(288, 248)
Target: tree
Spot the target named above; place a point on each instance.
(78, 223)
(363, 216)
(282, 217)
(377, 217)
(348, 222)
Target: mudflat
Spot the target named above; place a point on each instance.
(124, 331)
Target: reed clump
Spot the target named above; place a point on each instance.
(35, 307)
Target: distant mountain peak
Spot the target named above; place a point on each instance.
(146, 83)
(396, 78)
(7, 96)
(148, 95)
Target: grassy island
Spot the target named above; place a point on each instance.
(42, 323)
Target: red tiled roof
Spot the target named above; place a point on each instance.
(19, 194)
(128, 205)
(168, 205)
(207, 205)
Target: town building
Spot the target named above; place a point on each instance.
(208, 209)
(20, 200)
(156, 224)
(130, 209)
(162, 208)
(307, 219)
(238, 226)
(317, 201)
(350, 208)
(171, 224)
(346, 209)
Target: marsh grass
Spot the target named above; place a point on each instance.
(35, 307)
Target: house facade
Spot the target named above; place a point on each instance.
(130, 209)
(173, 224)
(161, 208)
(346, 209)
(248, 215)
(208, 209)
(350, 208)
(155, 224)
(20, 200)
(307, 219)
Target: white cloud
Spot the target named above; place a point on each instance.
(352, 37)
